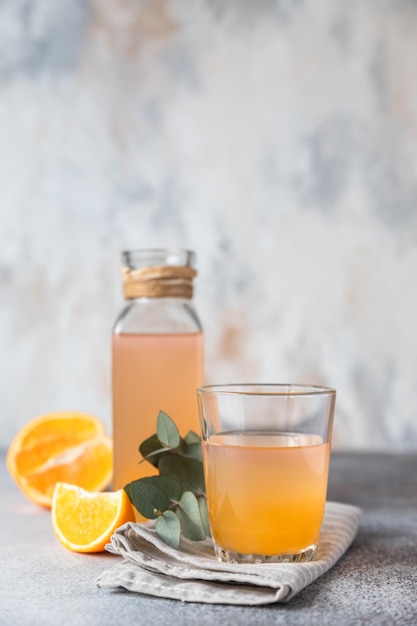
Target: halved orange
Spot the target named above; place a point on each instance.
(64, 446)
(85, 521)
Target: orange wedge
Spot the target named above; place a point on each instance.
(60, 447)
(85, 521)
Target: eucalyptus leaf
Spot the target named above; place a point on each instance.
(202, 505)
(191, 437)
(168, 528)
(180, 450)
(175, 497)
(167, 431)
(169, 486)
(128, 489)
(194, 452)
(151, 449)
(188, 472)
(188, 513)
(148, 498)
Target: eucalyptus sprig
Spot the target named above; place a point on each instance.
(176, 497)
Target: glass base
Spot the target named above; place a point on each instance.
(230, 556)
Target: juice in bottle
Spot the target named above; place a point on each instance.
(152, 372)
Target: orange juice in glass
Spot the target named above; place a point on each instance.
(266, 451)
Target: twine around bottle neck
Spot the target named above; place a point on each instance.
(165, 281)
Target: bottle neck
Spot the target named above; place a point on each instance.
(168, 281)
(158, 315)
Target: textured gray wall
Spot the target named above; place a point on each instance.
(277, 139)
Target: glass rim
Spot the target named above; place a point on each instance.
(267, 389)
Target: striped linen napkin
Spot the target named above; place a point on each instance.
(193, 574)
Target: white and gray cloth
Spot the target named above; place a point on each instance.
(193, 574)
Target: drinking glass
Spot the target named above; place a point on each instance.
(266, 452)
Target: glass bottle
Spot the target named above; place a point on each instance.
(157, 354)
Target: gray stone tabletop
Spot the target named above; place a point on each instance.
(41, 583)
